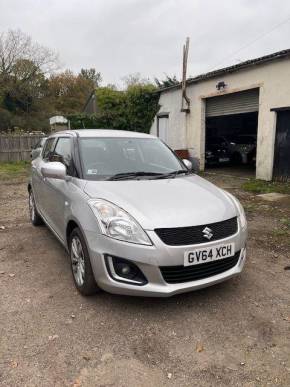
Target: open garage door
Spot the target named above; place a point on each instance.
(235, 103)
(231, 132)
(282, 147)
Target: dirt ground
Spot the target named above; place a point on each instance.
(233, 334)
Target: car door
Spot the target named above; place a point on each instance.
(56, 196)
(38, 181)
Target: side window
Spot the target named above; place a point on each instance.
(42, 142)
(62, 151)
(48, 148)
(37, 145)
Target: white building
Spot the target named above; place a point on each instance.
(252, 97)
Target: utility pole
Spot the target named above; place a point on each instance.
(185, 101)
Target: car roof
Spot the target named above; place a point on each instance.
(103, 133)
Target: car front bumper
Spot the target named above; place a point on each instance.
(149, 259)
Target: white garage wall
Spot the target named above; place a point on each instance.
(188, 131)
(170, 103)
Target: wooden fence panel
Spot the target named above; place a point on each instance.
(17, 147)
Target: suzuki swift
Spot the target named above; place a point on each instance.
(133, 217)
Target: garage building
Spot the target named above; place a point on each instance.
(246, 105)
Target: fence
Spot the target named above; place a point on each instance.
(17, 147)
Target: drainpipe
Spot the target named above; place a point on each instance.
(185, 101)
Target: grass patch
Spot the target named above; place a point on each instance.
(251, 207)
(280, 233)
(261, 186)
(14, 169)
(285, 222)
(284, 229)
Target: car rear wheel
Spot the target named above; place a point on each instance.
(35, 218)
(81, 265)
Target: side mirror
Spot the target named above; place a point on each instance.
(55, 170)
(35, 153)
(187, 163)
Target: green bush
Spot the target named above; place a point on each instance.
(133, 109)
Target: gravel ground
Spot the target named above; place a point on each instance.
(233, 334)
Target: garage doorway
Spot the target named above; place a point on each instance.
(281, 169)
(231, 133)
(162, 126)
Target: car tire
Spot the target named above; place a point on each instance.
(35, 218)
(82, 272)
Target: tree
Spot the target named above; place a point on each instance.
(135, 79)
(132, 109)
(68, 92)
(16, 45)
(92, 75)
(25, 87)
(24, 65)
(5, 119)
(167, 82)
(141, 107)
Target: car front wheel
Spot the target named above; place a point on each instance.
(35, 218)
(81, 265)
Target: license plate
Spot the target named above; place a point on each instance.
(224, 159)
(209, 254)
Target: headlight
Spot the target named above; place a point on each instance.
(240, 209)
(117, 223)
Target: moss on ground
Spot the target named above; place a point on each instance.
(261, 186)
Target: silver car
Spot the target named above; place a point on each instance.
(133, 217)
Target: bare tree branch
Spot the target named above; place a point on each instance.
(16, 45)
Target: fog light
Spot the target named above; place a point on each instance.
(122, 270)
(125, 270)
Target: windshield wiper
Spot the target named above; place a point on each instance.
(127, 175)
(154, 175)
(174, 174)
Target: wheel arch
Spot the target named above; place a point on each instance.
(71, 225)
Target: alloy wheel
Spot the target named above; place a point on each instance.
(77, 260)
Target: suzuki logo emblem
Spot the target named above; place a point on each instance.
(207, 233)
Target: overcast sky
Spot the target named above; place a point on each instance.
(119, 37)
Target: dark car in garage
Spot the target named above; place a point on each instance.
(216, 151)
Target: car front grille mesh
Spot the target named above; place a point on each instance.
(179, 274)
(194, 234)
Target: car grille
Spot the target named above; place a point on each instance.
(178, 274)
(194, 235)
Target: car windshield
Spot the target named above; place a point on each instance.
(104, 158)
